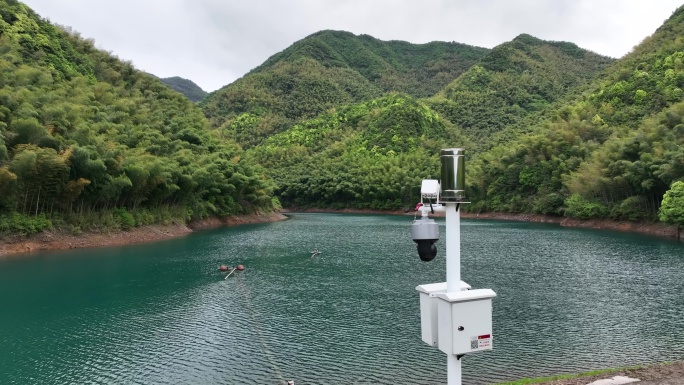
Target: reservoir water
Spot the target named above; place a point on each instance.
(569, 300)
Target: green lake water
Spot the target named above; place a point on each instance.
(569, 300)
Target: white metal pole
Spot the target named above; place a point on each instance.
(453, 276)
(453, 248)
(453, 370)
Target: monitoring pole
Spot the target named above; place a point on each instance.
(453, 276)
(453, 244)
(453, 318)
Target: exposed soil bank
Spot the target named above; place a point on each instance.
(52, 240)
(235, 220)
(657, 229)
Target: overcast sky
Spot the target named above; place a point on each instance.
(215, 42)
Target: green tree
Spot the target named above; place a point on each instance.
(672, 208)
(86, 136)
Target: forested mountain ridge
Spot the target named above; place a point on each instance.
(514, 80)
(395, 131)
(186, 87)
(84, 132)
(419, 70)
(600, 140)
(326, 70)
(613, 153)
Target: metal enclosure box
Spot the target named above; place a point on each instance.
(429, 188)
(464, 323)
(428, 309)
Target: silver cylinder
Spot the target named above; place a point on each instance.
(453, 175)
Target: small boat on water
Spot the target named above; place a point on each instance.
(314, 252)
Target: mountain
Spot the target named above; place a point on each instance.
(552, 128)
(327, 70)
(419, 70)
(186, 87)
(515, 80)
(83, 132)
(613, 152)
(398, 135)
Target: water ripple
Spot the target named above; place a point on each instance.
(567, 301)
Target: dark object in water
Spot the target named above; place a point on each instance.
(223, 268)
(240, 267)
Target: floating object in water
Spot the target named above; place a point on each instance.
(240, 267)
(223, 268)
(314, 252)
(231, 272)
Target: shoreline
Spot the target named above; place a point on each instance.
(649, 228)
(55, 240)
(658, 229)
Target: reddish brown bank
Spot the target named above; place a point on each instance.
(50, 240)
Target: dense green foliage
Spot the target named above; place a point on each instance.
(513, 81)
(420, 70)
(672, 210)
(326, 70)
(186, 87)
(338, 120)
(310, 159)
(613, 153)
(92, 221)
(369, 155)
(16, 223)
(83, 131)
(560, 131)
(269, 102)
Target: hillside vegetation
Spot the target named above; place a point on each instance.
(612, 153)
(326, 70)
(555, 130)
(369, 155)
(420, 70)
(373, 154)
(514, 81)
(338, 120)
(84, 132)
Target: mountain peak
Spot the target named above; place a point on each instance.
(528, 39)
(186, 87)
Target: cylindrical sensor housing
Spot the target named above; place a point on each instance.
(453, 175)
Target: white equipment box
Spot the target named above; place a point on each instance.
(464, 321)
(428, 309)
